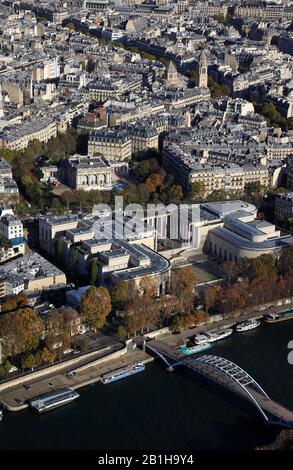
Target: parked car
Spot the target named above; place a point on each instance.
(68, 351)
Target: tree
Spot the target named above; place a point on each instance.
(58, 249)
(177, 324)
(285, 262)
(175, 194)
(269, 111)
(5, 368)
(261, 266)
(67, 197)
(233, 300)
(197, 190)
(220, 18)
(119, 295)
(73, 260)
(48, 357)
(142, 309)
(9, 305)
(96, 306)
(211, 296)
(216, 89)
(168, 304)
(154, 182)
(231, 269)
(69, 142)
(93, 272)
(253, 187)
(71, 26)
(121, 331)
(29, 362)
(182, 285)
(21, 331)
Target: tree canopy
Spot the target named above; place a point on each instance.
(96, 306)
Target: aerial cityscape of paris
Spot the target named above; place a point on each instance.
(146, 230)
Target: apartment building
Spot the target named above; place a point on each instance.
(35, 271)
(113, 145)
(19, 137)
(230, 177)
(284, 205)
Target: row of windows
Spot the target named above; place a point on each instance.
(222, 253)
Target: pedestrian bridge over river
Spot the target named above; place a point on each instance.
(229, 375)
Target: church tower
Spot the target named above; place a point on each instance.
(202, 70)
(172, 74)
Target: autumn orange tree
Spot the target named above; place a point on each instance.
(212, 296)
(182, 286)
(12, 303)
(21, 331)
(142, 310)
(95, 306)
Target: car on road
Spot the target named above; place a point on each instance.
(19, 401)
(70, 373)
(27, 387)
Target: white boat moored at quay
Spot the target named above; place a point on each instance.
(212, 336)
(52, 400)
(247, 325)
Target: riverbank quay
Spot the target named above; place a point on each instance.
(17, 397)
(215, 322)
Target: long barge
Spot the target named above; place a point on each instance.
(278, 317)
(52, 400)
(122, 372)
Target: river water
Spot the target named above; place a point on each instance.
(166, 411)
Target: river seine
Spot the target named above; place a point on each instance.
(166, 411)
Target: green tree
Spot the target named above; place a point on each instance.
(121, 331)
(197, 190)
(5, 368)
(93, 272)
(217, 90)
(29, 362)
(58, 249)
(175, 194)
(120, 295)
(96, 306)
(73, 260)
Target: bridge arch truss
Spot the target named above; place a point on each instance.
(231, 376)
